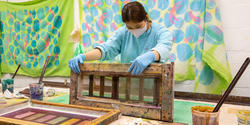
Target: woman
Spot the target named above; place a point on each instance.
(140, 42)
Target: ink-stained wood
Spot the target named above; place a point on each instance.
(160, 109)
(91, 85)
(237, 100)
(70, 106)
(156, 94)
(129, 109)
(160, 91)
(102, 78)
(167, 94)
(106, 116)
(9, 121)
(80, 85)
(73, 87)
(115, 87)
(141, 89)
(11, 102)
(127, 90)
(114, 69)
(56, 84)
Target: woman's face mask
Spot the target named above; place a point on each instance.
(137, 29)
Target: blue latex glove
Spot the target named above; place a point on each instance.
(141, 63)
(73, 63)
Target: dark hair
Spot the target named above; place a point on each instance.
(134, 11)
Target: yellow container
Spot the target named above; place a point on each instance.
(204, 115)
(243, 117)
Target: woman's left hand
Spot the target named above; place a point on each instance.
(141, 63)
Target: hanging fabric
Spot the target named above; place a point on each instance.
(198, 50)
(31, 31)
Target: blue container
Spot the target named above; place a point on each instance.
(36, 91)
(8, 84)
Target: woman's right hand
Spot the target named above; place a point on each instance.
(73, 63)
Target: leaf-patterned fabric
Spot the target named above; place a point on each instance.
(31, 31)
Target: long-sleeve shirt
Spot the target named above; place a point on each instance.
(123, 42)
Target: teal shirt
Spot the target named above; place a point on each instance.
(123, 42)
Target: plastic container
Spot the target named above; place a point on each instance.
(36, 91)
(243, 117)
(203, 115)
(7, 88)
(7, 84)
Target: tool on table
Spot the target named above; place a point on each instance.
(232, 84)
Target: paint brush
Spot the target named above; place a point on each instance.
(232, 84)
(16, 72)
(44, 68)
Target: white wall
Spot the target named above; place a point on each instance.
(236, 25)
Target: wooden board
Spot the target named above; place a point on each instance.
(43, 113)
(11, 102)
(106, 69)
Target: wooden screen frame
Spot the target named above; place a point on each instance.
(163, 98)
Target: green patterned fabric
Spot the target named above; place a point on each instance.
(198, 50)
(31, 31)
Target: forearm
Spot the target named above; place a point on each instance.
(95, 54)
(157, 55)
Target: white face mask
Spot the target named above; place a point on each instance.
(138, 32)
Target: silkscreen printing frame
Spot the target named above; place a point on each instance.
(163, 95)
(108, 116)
